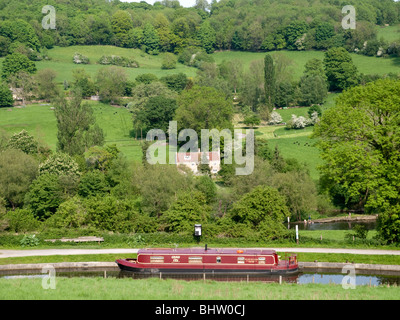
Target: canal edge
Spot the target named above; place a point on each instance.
(338, 267)
(303, 266)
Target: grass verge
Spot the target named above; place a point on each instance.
(155, 289)
(304, 257)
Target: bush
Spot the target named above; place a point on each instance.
(194, 57)
(263, 210)
(297, 122)
(44, 196)
(21, 220)
(111, 214)
(119, 61)
(24, 142)
(6, 96)
(146, 78)
(388, 225)
(29, 241)
(70, 214)
(189, 208)
(60, 164)
(176, 82)
(169, 61)
(275, 118)
(80, 59)
(92, 184)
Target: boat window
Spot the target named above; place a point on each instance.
(195, 259)
(240, 260)
(261, 260)
(218, 259)
(156, 259)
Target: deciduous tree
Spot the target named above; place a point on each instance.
(77, 129)
(359, 143)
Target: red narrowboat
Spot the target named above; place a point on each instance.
(258, 261)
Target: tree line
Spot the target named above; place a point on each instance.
(224, 25)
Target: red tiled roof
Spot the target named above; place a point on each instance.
(196, 156)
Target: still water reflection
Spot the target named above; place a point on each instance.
(301, 278)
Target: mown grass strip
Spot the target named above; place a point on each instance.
(305, 257)
(156, 289)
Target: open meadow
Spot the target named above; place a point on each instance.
(61, 62)
(39, 120)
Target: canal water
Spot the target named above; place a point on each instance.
(342, 225)
(301, 278)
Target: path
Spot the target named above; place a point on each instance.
(127, 252)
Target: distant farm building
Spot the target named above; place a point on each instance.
(192, 160)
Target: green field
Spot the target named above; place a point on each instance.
(61, 62)
(389, 34)
(39, 120)
(156, 289)
(367, 65)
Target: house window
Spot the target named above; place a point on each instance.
(195, 259)
(156, 259)
(187, 157)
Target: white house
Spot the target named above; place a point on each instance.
(193, 159)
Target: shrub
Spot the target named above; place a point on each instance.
(80, 59)
(388, 225)
(60, 164)
(44, 196)
(70, 214)
(29, 241)
(189, 208)
(252, 120)
(119, 61)
(24, 142)
(262, 210)
(92, 184)
(275, 118)
(169, 61)
(112, 214)
(21, 220)
(6, 96)
(297, 122)
(16, 62)
(146, 78)
(194, 57)
(176, 82)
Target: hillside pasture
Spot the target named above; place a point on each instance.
(39, 121)
(61, 61)
(366, 65)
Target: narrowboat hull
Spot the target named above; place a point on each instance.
(209, 261)
(125, 265)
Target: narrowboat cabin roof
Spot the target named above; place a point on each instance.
(230, 251)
